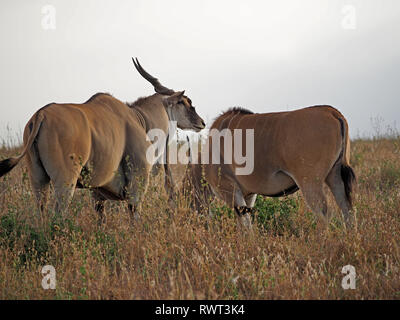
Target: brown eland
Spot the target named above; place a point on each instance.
(302, 149)
(100, 144)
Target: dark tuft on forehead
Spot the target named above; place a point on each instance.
(189, 102)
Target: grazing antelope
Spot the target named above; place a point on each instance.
(103, 136)
(302, 149)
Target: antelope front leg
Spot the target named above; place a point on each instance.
(244, 215)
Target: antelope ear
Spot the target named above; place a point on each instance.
(174, 99)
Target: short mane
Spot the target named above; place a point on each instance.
(232, 111)
(236, 110)
(97, 95)
(138, 102)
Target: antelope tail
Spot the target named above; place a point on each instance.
(347, 172)
(8, 164)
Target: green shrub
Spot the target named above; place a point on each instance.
(32, 242)
(276, 214)
(273, 214)
(35, 244)
(223, 210)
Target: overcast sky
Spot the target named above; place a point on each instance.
(263, 55)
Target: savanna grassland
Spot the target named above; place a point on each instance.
(172, 253)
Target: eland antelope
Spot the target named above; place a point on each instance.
(302, 149)
(100, 144)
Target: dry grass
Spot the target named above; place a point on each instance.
(175, 254)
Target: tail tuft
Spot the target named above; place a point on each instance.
(7, 165)
(349, 178)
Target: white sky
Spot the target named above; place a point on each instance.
(262, 55)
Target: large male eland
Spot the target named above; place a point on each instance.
(302, 149)
(100, 144)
